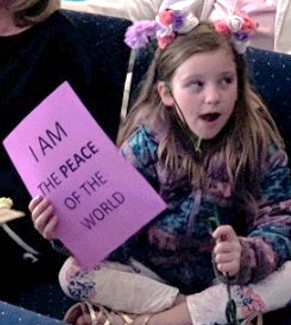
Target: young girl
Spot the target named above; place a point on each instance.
(208, 145)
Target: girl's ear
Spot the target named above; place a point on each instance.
(165, 93)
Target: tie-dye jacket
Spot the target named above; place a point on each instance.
(177, 244)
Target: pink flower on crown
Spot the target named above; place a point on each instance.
(164, 41)
(167, 32)
(221, 27)
(166, 17)
(249, 24)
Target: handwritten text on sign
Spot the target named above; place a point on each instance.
(101, 200)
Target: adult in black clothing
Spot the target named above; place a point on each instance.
(40, 48)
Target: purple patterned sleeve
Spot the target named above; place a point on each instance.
(268, 244)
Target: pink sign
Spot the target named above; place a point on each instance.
(101, 200)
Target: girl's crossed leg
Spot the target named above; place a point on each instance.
(134, 289)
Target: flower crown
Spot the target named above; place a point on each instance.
(239, 28)
(164, 28)
(169, 23)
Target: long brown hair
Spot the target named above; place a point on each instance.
(29, 12)
(244, 142)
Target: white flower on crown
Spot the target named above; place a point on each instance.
(235, 23)
(189, 22)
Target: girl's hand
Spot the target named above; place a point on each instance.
(43, 217)
(227, 250)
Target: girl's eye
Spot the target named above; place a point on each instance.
(195, 85)
(227, 80)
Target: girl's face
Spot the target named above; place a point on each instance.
(205, 89)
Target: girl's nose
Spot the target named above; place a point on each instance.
(212, 95)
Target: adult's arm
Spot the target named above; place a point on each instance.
(129, 9)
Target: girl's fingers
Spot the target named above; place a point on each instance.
(34, 202)
(227, 251)
(226, 258)
(41, 220)
(49, 229)
(224, 233)
(43, 217)
(230, 268)
(227, 247)
(40, 209)
(223, 247)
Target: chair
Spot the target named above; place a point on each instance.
(14, 315)
(270, 74)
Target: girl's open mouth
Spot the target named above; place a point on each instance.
(210, 117)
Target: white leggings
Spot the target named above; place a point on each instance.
(135, 289)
